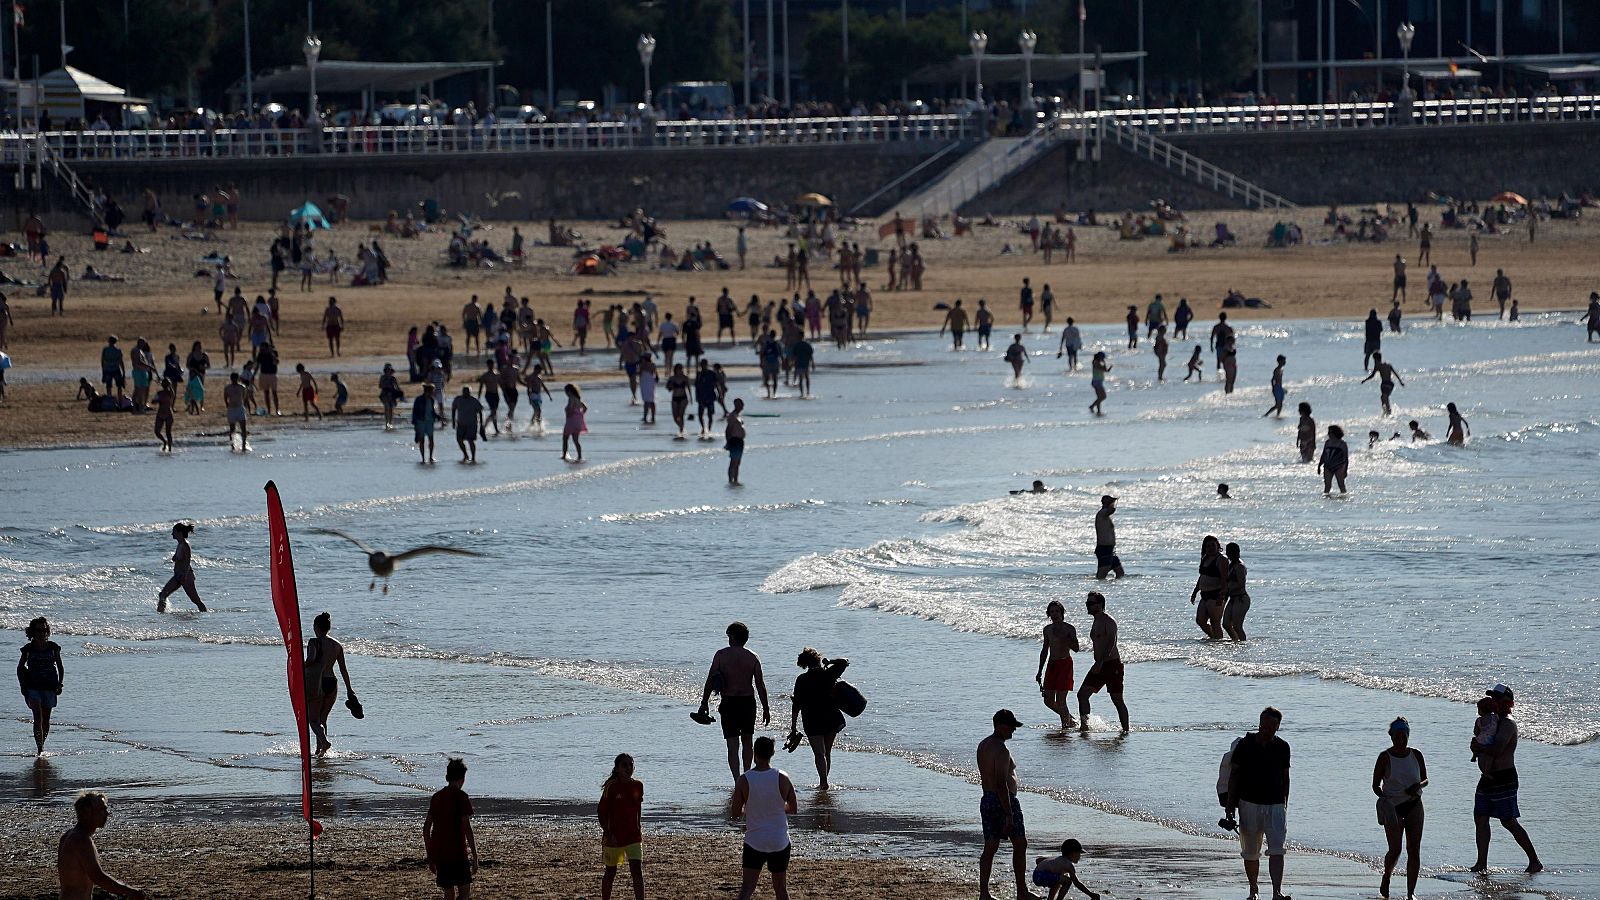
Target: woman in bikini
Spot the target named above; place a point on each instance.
(322, 688)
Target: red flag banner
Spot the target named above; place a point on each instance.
(286, 601)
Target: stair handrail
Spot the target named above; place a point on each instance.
(1162, 151)
(947, 148)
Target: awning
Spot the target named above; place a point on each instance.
(69, 81)
(1561, 71)
(1010, 67)
(342, 76)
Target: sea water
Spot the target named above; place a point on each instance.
(875, 524)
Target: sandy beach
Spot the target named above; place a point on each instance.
(167, 299)
(539, 858)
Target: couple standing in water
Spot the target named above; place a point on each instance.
(1223, 600)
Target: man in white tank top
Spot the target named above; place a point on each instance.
(765, 797)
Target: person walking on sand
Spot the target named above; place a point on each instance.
(1098, 368)
(1458, 430)
(1105, 540)
(1399, 278)
(1055, 662)
(1107, 671)
(956, 321)
(574, 427)
(1071, 343)
(765, 798)
(308, 393)
(1501, 289)
(733, 434)
(1335, 460)
(1237, 591)
(333, 325)
(1386, 382)
(41, 676)
(735, 674)
(447, 838)
(999, 810)
(1016, 355)
(77, 858)
(1425, 245)
(1496, 794)
(1258, 788)
(322, 688)
(1398, 778)
(466, 414)
(233, 398)
(182, 570)
(1278, 393)
(423, 416)
(621, 835)
(813, 707)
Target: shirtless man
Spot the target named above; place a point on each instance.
(1071, 343)
(77, 859)
(1496, 796)
(956, 321)
(1107, 669)
(1105, 540)
(233, 397)
(1386, 383)
(489, 390)
(736, 675)
(999, 809)
(1055, 662)
(985, 322)
(322, 689)
(333, 325)
(1278, 392)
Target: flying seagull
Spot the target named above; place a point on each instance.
(382, 563)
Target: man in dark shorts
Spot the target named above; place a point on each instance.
(447, 834)
(1107, 669)
(736, 675)
(1105, 540)
(1000, 810)
(765, 797)
(705, 397)
(1496, 796)
(112, 368)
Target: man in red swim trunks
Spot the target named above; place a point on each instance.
(1055, 663)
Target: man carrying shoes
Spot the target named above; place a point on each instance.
(1258, 787)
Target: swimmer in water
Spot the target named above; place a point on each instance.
(1417, 434)
(1458, 429)
(1038, 488)
(1372, 439)
(1222, 492)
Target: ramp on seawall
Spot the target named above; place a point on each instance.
(668, 182)
(1314, 168)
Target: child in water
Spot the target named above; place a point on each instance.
(1195, 368)
(1061, 873)
(1417, 434)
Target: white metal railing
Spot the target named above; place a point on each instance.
(1366, 114)
(948, 194)
(1192, 167)
(450, 139)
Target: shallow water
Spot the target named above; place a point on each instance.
(874, 525)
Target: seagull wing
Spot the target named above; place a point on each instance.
(337, 533)
(511, 195)
(423, 551)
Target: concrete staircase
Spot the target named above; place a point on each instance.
(991, 163)
(1191, 167)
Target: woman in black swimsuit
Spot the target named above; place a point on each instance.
(322, 688)
(1210, 587)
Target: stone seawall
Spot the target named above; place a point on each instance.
(670, 183)
(1318, 168)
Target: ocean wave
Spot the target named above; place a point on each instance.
(661, 515)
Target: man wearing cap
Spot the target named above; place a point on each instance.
(1000, 811)
(1105, 540)
(1258, 787)
(1496, 796)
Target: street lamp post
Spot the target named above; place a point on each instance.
(979, 42)
(647, 51)
(1028, 40)
(1407, 32)
(313, 50)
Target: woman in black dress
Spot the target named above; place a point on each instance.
(815, 709)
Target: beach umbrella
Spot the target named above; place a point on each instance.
(747, 206)
(310, 215)
(812, 199)
(1510, 197)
